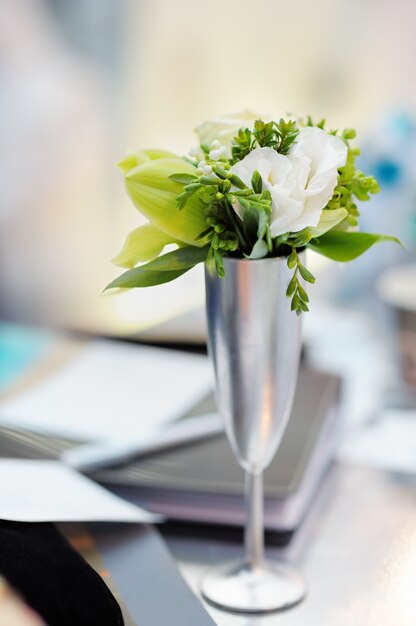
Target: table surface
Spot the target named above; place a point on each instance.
(357, 547)
(357, 550)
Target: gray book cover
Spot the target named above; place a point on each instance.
(203, 482)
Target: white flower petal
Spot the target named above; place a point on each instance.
(286, 212)
(272, 166)
(215, 154)
(302, 182)
(225, 128)
(325, 152)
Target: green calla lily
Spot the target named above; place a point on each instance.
(329, 219)
(134, 159)
(143, 244)
(155, 195)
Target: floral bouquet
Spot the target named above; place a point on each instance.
(251, 189)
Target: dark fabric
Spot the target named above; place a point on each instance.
(53, 578)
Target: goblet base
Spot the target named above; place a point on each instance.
(236, 587)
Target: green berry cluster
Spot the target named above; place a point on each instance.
(295, 289)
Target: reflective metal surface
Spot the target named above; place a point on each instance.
(254, 343)
(357, 549)
(240, 588)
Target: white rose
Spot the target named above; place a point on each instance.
(225, 128)
(301, 183)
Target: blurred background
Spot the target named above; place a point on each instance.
(82, 82)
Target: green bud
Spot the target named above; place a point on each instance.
(302, 240)
(302, 293)
(236, 181)
(291, 288)
(219, 171)
(215, 243)
(243, 192)
(207, 180)
(182, 199)
(219, 266)
(295, 303)
(349, 133)
(291, 260)
(226, 186)
(306, 274)
(352, 220)
(192, 187)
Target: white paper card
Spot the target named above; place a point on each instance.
(112, 390)
(389, 443)
(48, 491)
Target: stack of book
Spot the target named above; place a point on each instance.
(202, 483)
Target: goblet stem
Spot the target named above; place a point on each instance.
(254, 533)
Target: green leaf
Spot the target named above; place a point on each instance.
(219, 265)
(142, 244)
(259, 251)
(256, 182)
(183, 258)
(306, 274)
(142, 277)
(185, 179)
(173, 264)
(263, 223)
(347, 246)
(161, 270)
(251, 223)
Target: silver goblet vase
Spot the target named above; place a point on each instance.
(254, 341)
